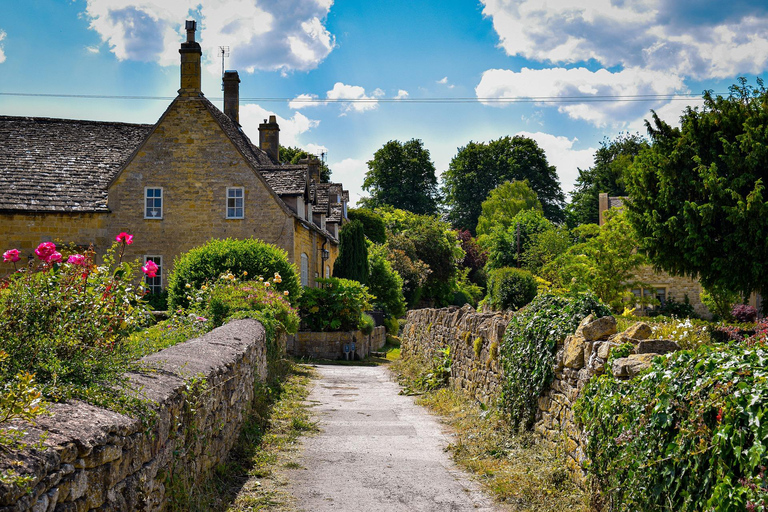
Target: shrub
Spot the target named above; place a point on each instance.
(510, 288)
(66, 323)
(250, 258)
(744, 313)
(719, 301)
(385, 283)
(529, 346)
(336, 306)
(366, 324)
(352, 262)
(688, 435)
(673, 308)
(392, 325)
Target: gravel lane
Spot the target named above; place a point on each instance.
(377, 451)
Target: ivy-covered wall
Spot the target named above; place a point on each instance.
(94, 459)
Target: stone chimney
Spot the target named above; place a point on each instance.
(269, 138)
(190, 63)
(313, 165)
(232, 96)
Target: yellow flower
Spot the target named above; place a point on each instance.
(285, 292)
(261, 279)
(245, 273)
(203, 287)
(266, 284)
(188, 285)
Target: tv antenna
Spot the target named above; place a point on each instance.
(223, 52)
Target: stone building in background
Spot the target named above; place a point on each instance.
(192, 176)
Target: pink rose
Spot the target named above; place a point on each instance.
(150, 268)
(45, 250)
(76, 259)
(124, 237)
(55, 256)
(11, 256)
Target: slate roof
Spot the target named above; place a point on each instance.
(616, 201)
(62, 164)
(286, 179)
(335, 215)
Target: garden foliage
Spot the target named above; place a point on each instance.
(510, 288)
(385, 283)
(688, 435)
(336, 306)
(529, 347)
(352, 262)
(248, 258)
(507, 249)
(373, 224)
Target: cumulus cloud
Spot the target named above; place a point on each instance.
(560, 153)
(401, 94)
(262, 34)
(252, 115)
(444, 81)
(685, 38)
(562, 87)
(362, 100)
(351, 173)
(2, 54)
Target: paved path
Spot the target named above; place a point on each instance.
(377, 451)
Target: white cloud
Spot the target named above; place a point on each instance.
(265, 34)
(401, 94)
(351, 173)
(560, 153)
(560, 85)
(340, 92)
(315, 149)
(92, 49)
(304, 101)
(444, 81)
(252, 115)
(2, 54)
(721, 40)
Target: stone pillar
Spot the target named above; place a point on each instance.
(232, 96)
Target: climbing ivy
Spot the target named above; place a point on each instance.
(529, 345)
(689, 435)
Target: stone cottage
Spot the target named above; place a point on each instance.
(192, 176)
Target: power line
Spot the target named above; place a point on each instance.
(317, 101)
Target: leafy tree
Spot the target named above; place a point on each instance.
(612, 160)
(352, 262)
(698, 193)
(605, 263)
(478, 168)
(385, 283)
(293, 155)
(502, 244)
(475, 258)
(402, 175)
(373, 224)
(544, 248)
(503, 203)
(426, 239)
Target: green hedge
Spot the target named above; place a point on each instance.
(529, 346)
(689, 435)
(337, 305)
(246, 259)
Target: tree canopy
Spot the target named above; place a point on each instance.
(697, 194)
(503, 203)
(612, 160)
(478, 168)
(402, 175)
(292, 155)
(352, 262)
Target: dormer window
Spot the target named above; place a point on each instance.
(153, 203)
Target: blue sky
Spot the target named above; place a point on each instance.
(666, 51)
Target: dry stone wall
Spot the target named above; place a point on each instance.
(94, 459)
(330, 345)
(474, 339)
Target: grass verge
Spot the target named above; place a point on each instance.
(252, 478)
(518, 469)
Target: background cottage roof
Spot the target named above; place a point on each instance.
(286, 179)
(255, 156)
(62, 164)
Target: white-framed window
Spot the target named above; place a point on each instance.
(304, 269)
(153, 203)
(235, 203)
(155, 284)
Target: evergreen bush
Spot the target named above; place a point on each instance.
(373, 225)
(510, 288)
(248, 259)
(385, 283)
(336, 306)
(352, 262)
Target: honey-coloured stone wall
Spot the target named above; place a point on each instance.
(94, 459)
